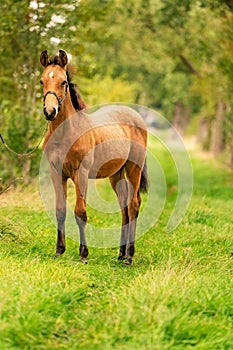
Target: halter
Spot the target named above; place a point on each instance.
(59, 100)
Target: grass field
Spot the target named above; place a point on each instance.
(176, 295)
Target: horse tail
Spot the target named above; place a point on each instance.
(144, 183)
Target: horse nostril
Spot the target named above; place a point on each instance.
(45, 112)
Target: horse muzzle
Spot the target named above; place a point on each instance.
(50, 114)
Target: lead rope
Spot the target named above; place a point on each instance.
(23, 154)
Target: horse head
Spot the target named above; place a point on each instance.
(54, 83)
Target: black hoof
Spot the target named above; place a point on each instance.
(60, 250)
(83, 252)
(129, 261)
(84, 261)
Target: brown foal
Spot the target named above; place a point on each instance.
(108, 143)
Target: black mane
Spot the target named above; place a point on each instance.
(76, 98)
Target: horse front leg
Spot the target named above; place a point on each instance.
(61, 244)
(81, 213)
(60, 186)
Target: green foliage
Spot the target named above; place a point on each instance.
(99, 90)
(151, 52)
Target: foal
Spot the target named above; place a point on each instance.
(108, 143)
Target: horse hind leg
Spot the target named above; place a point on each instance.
(120, 186)
(133, 173)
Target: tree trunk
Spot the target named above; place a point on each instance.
(217, 140)
(181, 117)
(204, 133)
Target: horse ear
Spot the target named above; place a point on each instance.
(63, 58)
(44, 59)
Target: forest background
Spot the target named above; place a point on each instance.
(172, 56)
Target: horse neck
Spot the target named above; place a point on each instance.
(66, 111)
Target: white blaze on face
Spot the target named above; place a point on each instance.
(51, 75)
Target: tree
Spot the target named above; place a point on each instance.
(170, 55)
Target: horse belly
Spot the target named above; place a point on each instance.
(109, 157)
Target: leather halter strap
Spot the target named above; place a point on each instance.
(59, 100)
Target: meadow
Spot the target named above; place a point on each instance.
(176, 295)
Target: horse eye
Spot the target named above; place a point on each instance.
(63, 83)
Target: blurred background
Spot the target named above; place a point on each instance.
(172, 56)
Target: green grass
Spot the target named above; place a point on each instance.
(177, 295)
